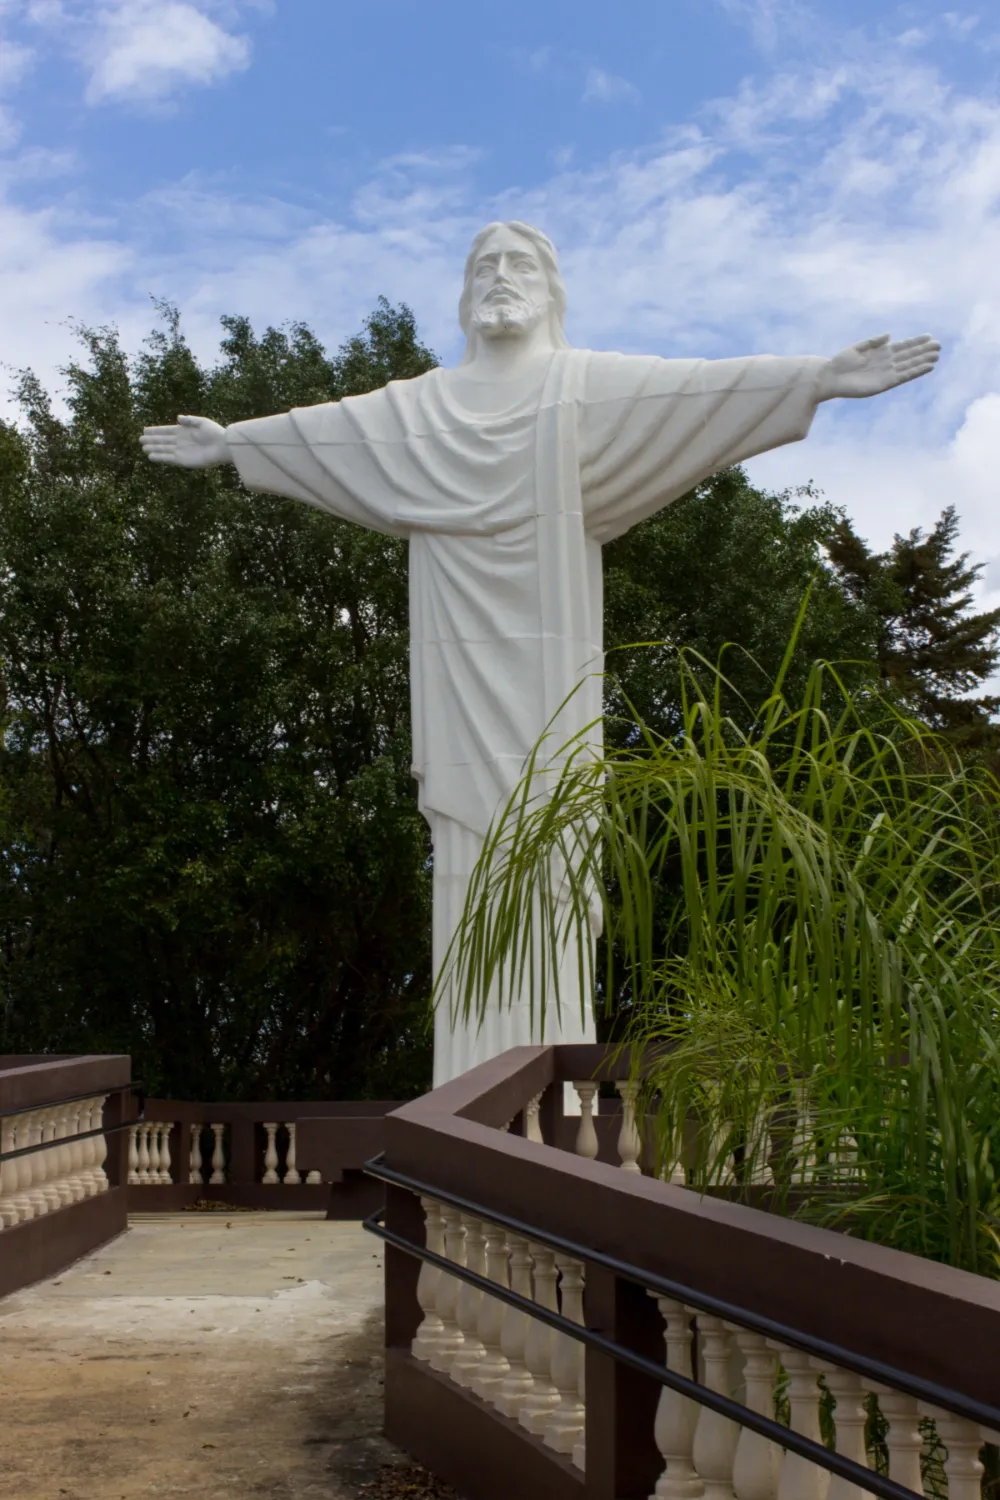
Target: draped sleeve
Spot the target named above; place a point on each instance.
(654, 428)
(323, 456)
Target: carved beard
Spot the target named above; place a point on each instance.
(509, 311)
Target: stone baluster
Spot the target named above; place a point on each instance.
(803, 1141)
(850, 1419)
(24, 1202)
(757, 1462)
(50, 1158)
(8, 1176)
(533, 1121)
(292, 1177)
(511, 1393)
(155, 1135)
(715, 1436)
(467, 1360)
(218, 1154)
(800, 1478)
(493, 1366)
(586, 1134)
(903, 1439)
(579, 1454)
(451, 1339)
(166, 1175)
(721, 1163)
(429, 1334)
(144, 1154)
(36, 1191)
(314, 1178)
(133, 1155)
(629, 1142)
(963, 1441)
(88, 1180)
(99, 1145)
(676, 1414)
(64, 1155)
(759, 1150)
(844, 1160)
(538, 1345)
(195, 1162)
(270, 1154)
(565, 1424)
(77, 1152)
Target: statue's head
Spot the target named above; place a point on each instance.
(512, 284)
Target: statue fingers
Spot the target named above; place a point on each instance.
(878, 342)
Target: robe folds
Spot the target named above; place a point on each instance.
(505, 517)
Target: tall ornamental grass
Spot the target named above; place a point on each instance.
(802, 949)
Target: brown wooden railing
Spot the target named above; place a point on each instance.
(557, 1326)
(62, 1161)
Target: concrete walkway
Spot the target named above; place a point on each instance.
(206, 1355)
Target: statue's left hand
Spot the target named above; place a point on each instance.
(877, 365)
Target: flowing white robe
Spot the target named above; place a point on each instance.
(505, 516)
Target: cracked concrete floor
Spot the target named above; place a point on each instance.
(214, 1356)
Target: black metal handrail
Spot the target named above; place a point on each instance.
(978, 1412)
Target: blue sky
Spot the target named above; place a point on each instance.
(721, 176)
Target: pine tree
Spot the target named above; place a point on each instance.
(933, 652)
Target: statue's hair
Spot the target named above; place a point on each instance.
(546, 252)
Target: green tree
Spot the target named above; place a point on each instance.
(213, 857)
(727, 565)
(933, 651)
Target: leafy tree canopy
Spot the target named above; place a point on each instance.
(211, 854)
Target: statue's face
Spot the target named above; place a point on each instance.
(510, 288)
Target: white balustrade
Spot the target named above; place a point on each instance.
(676, 1414)
(314, 1178)
(78, 1151)
(429, 1334)
(195, 1162)
(715, 1436)
(155, 1134)
(963, 1441)
(166, 1165)
(466, 1362)
(218, 1154)
(533, 1121)
(538, 1345)
(757, 1461)
(493, 1366)
(9, 1215)
(800, 1478)
(292, 1177)
(144, 1156)
(586, 1134)
(565, 1424)
(270, 1153)
(850, 1419)
(451, 1339)
(629, 1141)
(59, 1170)
(510, 1395)
(903, 1440)
(803, 1141)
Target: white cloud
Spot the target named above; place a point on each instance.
(606, 88)
(143, 50)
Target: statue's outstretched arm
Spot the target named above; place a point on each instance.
(191, 443)
(878, 364)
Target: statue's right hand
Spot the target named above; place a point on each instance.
(193, 443)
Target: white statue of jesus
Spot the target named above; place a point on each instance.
(507, 474)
